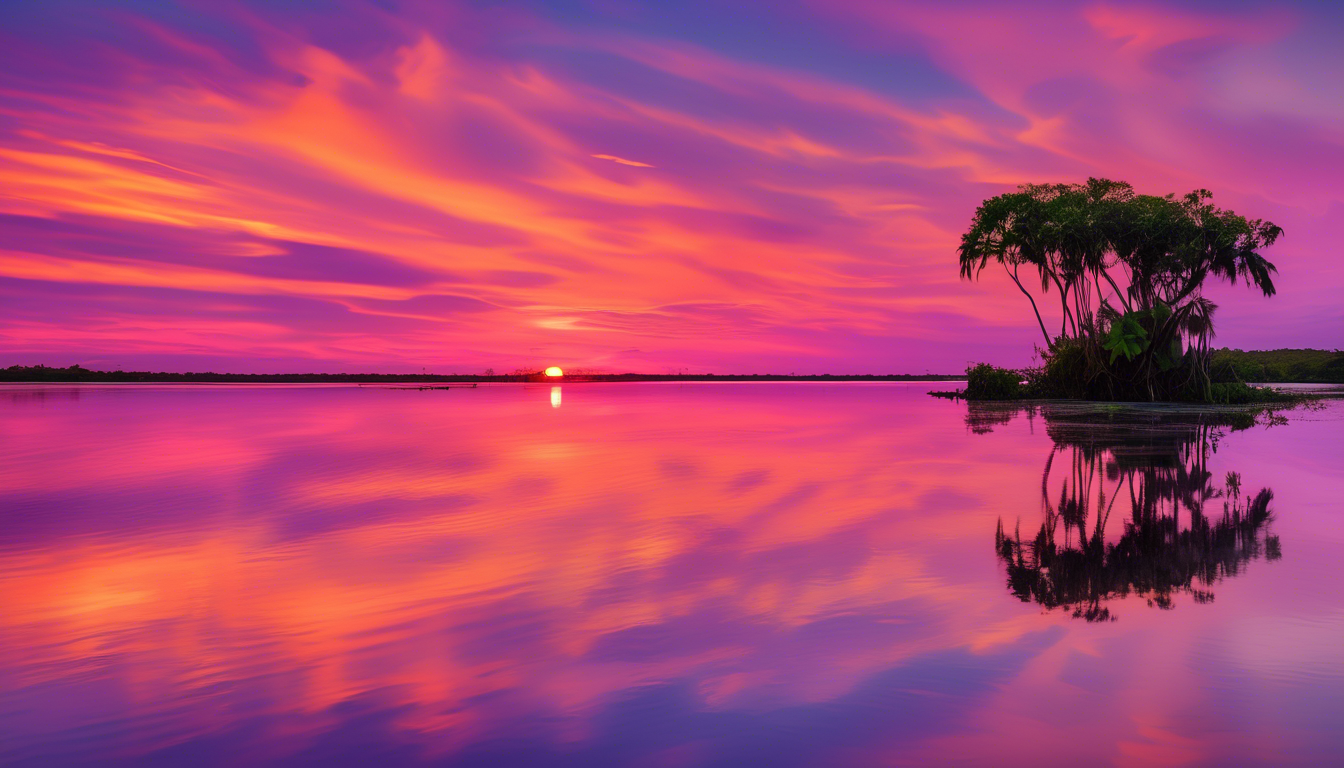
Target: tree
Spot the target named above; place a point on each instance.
(1128, 271)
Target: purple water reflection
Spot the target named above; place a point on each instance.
(656, 574)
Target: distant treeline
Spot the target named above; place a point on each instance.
(41, 373)
(1279, 365)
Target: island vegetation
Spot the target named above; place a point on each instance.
(1128, 272)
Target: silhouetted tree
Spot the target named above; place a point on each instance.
(1151, 469)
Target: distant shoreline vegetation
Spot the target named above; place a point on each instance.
(1302, 366)
(1231, 370)
(1128, 271)
(75, 374)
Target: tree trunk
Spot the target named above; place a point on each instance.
(1013, 275)
(1118, 294)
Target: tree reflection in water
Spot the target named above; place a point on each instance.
(1140, 473)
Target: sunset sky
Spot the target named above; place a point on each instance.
(716, 187)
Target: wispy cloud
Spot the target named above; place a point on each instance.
(622, 161)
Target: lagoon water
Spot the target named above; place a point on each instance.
(662, 575)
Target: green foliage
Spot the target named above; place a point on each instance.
(1126, 337)
(1075, 369)
(1171, 357)
(1279, 365)
(1064, 373)
(1060, 379)
(985, 382)
(1128, 272)
(1237, 393)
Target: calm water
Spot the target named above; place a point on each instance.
(661, 575)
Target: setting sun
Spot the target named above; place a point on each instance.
(554, 371)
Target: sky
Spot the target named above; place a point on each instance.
(699, 187)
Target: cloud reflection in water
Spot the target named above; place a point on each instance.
(666, 574)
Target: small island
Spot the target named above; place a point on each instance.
(1128, 271)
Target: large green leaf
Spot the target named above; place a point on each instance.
(1126, 337)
